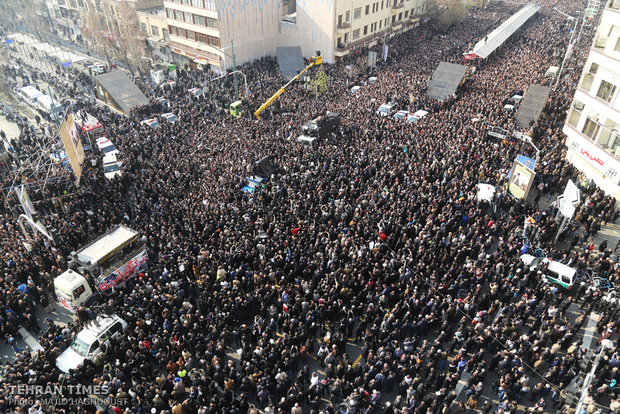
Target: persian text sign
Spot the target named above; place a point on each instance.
(118, 277)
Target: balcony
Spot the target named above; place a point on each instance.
(398, 6)
(600, 43)
(343, 28)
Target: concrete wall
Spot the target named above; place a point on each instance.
(252, 25)
(314, 28)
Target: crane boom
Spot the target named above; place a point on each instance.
(315, 60)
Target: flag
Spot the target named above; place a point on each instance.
(295, 231)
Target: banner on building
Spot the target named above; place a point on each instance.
(520, 180)
(73, 145)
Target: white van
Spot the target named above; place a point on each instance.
(386, 108)
(106, 146)
(111, 168)
(416, 116)
(86, 343)
(306, 141)
(554, 272)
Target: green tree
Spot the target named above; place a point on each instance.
(319, 83)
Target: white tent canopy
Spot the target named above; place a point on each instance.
(485, 47)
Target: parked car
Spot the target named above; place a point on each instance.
(106, 146)
(400, 115)
(153, 123)
(111, 167)
(551, 270)
(416, 116)
(170, 117)
(386, 108)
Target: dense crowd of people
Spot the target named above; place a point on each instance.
(371, 239)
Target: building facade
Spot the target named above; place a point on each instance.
(153, 23)
(211, 32)
(592, 125)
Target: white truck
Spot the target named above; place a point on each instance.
(101, 266)
(46, 104)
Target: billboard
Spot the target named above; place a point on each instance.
(520, 180)
(73, 145)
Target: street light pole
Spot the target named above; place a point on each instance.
(568, 51)
(234, 59)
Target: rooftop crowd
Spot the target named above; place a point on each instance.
(372, 239)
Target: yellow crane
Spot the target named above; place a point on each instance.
(314, 61)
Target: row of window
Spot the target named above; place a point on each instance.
(191, 18)
(191, 35)
(154, 31)
(357, 13)
(203, 4)
(376, 26)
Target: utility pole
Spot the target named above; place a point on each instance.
(568, 50)
(234, 59)
(54, 114)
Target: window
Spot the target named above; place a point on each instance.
(593, 68)
(617, 47)
(606, 91)
(170, 13)
(199, 20)
(348, 16)
(78, 291)
(406, 13)
(365, 30)
(380, 22)
(197, 3)
(590, 128)
(340, 20)
(357, 13)
(213, 41)
(382, 5)
(164, 34)
(180, 32)
(189, 18)
(211, 23)
(400, 16)
(201, 38)
(210, 4)
(172, 30)
(144, 28)
(178, 15)
(155, 30)
(115, 329)
(356, 34)
(614, 140)
(367, 9)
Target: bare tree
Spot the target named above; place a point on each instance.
(117, 36)
(446, 13)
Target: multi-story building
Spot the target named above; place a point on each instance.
(212, 31)
(153, 23)
(593, 123)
